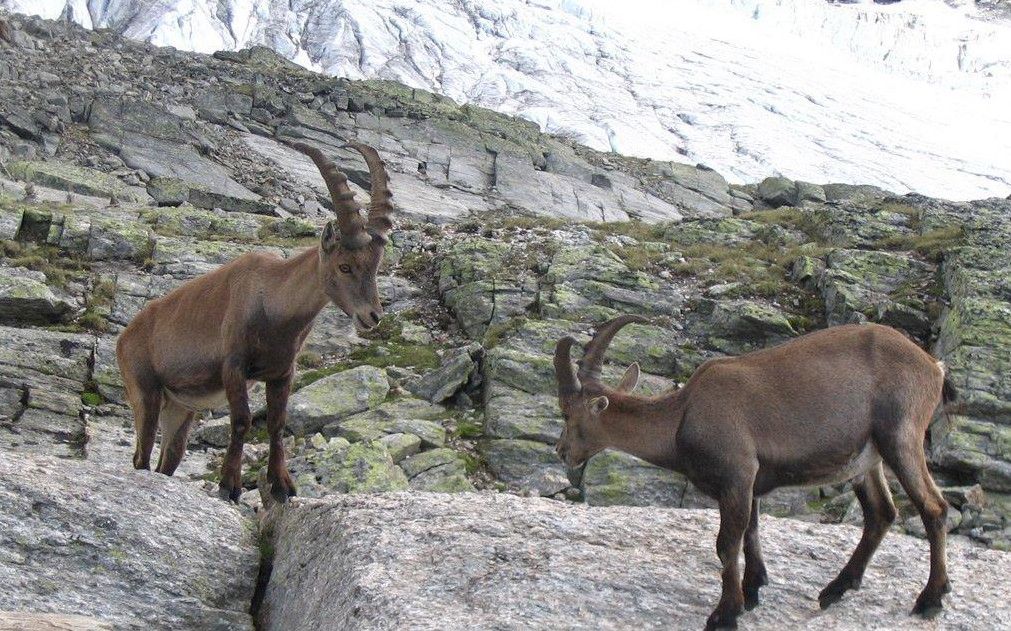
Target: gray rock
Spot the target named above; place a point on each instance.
(737, 326)
(614, 478)
(512, 413)
(335, 397)
(216, 432)
(22, 621)
(454, 372)
(155, 141)
(74, 179)
(21, 123)
(446, 478)
(26, 298)
(134, 550)
(886, 287)
(417, 560)
(10, 222)
(48, 371)
(320, 467)
(116, 239)
(778, 191)
(807, 191)
(525, 465)
(400, 445)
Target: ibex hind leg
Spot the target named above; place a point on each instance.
(906, 459)
(755, 574)
(146, 406)
(879, 512)
(175, 422)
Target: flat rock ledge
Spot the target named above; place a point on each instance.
(87, 547)
(496, 561)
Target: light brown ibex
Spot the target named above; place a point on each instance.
(200, 345)
(827, 407)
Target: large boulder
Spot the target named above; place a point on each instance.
(322, 466)
(134, 550)
(26, 298)
(335, 397)
(500, 561)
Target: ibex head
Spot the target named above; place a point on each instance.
(581, 395)
(350, 249)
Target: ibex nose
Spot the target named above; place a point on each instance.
(375, 317)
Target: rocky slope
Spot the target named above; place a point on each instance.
(126, 169)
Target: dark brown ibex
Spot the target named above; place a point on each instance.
(827, 407)
(200, 345)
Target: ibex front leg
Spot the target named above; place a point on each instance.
(281, 485)
(755, 575)
(735, 515)
(234, 379)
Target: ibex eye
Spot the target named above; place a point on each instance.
(344, 267)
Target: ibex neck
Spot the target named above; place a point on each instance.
(298, 293)
(645, 427)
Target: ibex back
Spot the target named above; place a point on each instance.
(200, 345)
(827, 407)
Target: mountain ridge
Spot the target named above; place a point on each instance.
(903, 98)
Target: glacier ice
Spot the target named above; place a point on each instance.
(908, 96)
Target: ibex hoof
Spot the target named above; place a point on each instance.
(230, 494)
(752, 583)
(718, 620)
(928, 605)
(281, 493)
(834, 591)
(751, 599)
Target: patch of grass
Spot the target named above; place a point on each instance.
(529, 222)
(91, 399)
(414, 265)
(637, 257)
(806, 222)
(92, 321)
(313, 376)
(396, 353)
(309, 359)
(901, 208)
(638, 230)
(931, 245)
(58, 267)
(469, 429)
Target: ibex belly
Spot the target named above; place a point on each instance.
(858, 464)
(199, 402)
(827, 473)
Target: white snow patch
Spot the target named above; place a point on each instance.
(908, 96)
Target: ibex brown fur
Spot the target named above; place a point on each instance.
(827, 407)
(201, 344)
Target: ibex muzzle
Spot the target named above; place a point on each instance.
(827, 407)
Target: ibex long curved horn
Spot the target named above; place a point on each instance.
(380, 208)
(349, 218)
(568, 385)
(593, 355)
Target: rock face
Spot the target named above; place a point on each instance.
(133, 551)
(498, 561)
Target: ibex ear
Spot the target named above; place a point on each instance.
(330, 239)
(630, 378)
(598, 405)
